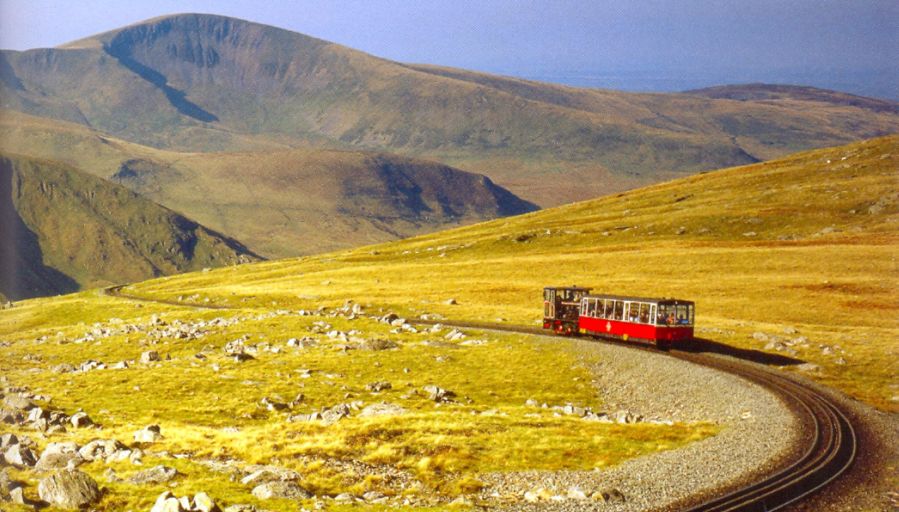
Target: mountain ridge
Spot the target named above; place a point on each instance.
(212, 83)
(65, 230)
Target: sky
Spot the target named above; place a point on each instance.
(645, 45)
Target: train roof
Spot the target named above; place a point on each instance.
(667, 300)
(575, 287)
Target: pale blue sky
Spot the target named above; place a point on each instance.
(638, 45)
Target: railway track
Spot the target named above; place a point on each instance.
(830, 443)
(829, 449)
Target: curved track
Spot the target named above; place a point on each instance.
(830, 442)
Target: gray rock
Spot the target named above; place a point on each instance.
(154, 475)
(20, 456)
(280, 489)
(7, 440)
(17, 495)
(17, 402)
(378, 344)
(167, 502)
(377, 387)
(203, 503)
(69, 489)
(149, 356)
(59, 456)
(382, 409)
(299, 418)
(148, 434)
(335, 414)
(100, 449)
(438, 394)
(80, 420)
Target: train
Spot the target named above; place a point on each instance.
(660, 322)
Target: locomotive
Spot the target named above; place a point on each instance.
(662, 323)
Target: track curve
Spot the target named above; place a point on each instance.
(829, 448)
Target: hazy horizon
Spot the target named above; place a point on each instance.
(639, 46)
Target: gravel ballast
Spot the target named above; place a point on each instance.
(757, 431)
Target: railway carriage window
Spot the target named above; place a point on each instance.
(547, 310)
(644, 313)
(606, 308)
(633, 311)
(652, 314)
(683, 317)
(619, 310)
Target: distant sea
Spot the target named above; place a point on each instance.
(876, 84)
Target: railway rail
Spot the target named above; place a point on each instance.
(829, 449)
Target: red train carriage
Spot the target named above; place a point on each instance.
(660, 322)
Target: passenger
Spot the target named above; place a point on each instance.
(671, 319)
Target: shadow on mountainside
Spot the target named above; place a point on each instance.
(702, 345)
(23, 274)
(176, 98)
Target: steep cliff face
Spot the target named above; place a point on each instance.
(64, 230)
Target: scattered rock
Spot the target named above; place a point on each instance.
(382, 409)
(808, 367)
(100, 449)
(148, 434)
(438, 394)
(69, 489)
(155, 475)
(80, 420)
(280, 489)
(451, 302)
(378, 344)
(59, 456)
(20, 456)
(149, 356)
(377, 387)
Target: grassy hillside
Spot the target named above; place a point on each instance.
(209, 83)
(800, 251)
(64, 230)
(279, 202)
(804, 244)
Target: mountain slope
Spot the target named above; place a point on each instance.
(279, 202)
(64, 230)
(806, 243)
(207, 83)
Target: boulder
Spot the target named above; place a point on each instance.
(148, 434)
(167, 502)
(7, 440)
(203, 503)
(20, 456)
(377, 387)
(438, 394)
(149, 356)
(154, 475)
(280, 489)
(382, 409)
(335, 414)
(378, 344)
(17, 402)
(100, 449)
(69, 489)
(59, 456)
(80, 420)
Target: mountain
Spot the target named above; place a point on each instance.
(774, 93)
(279, 202)
(204, 83)
(64, 230)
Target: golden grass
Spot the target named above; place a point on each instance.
(818, 263)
